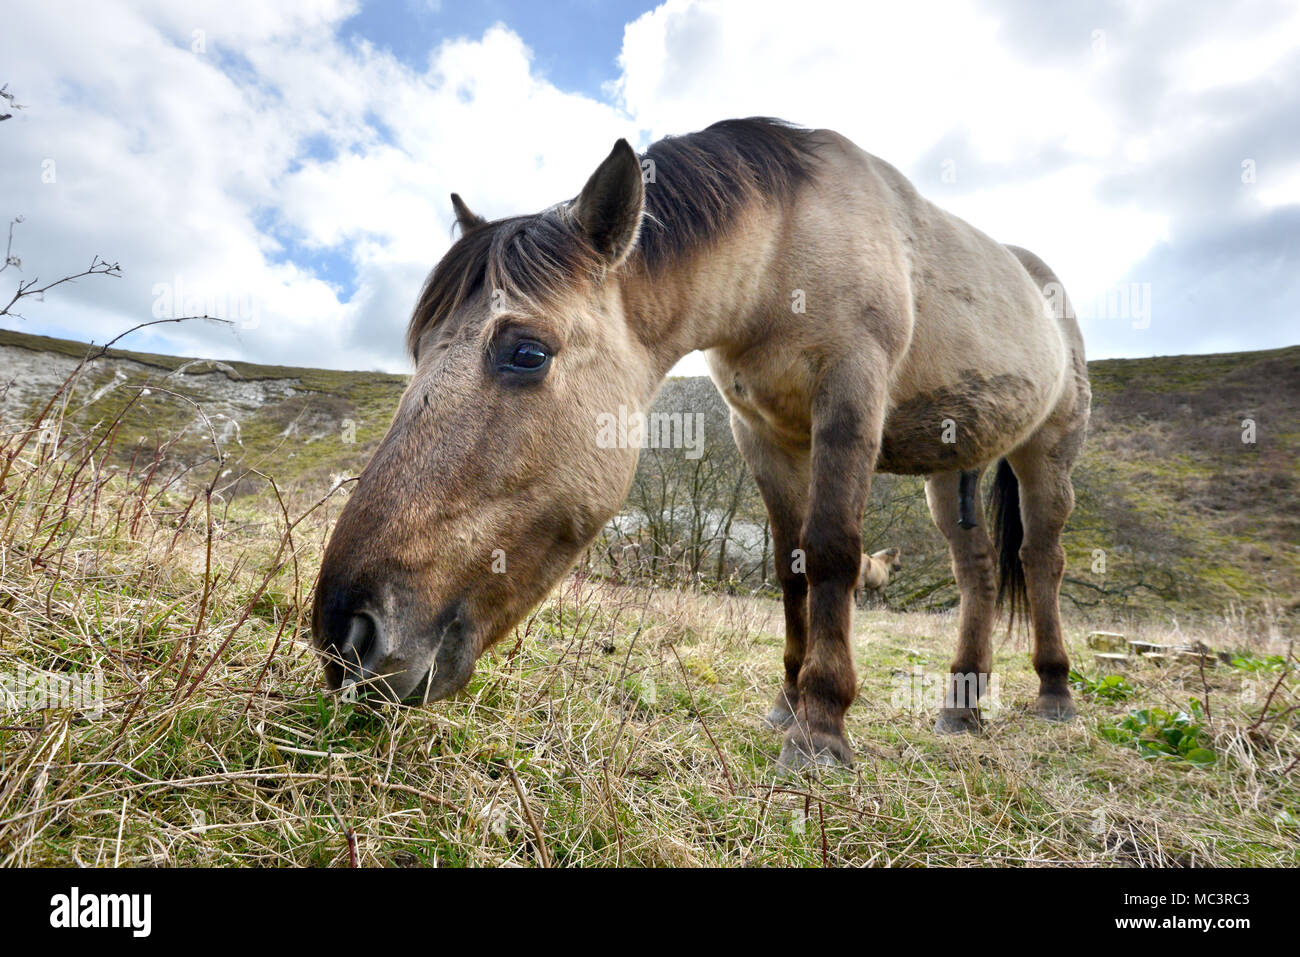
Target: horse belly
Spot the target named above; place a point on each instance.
(984, 369)
(962, 426)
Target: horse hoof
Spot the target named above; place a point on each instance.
(779, 718)
(958, 721)
(1054, 707)
(782, 714)
(804, 751)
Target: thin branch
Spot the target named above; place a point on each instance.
(98, 267)
(10, 258)
(9, 99)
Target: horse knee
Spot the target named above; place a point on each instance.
(793, 581)
(834, 556)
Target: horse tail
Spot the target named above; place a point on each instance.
(1008, 533)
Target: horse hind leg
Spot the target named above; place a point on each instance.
(974, 567)
(1042, 470)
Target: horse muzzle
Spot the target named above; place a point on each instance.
(394, 657)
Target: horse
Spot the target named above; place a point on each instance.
(852, 327)
(876, 571)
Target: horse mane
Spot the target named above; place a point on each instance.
(696, 186)
(702, 180)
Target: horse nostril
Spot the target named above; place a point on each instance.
(358, 644)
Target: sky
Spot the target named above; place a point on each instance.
(287, 166)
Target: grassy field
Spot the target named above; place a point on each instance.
(619, 725)
(1191, 519)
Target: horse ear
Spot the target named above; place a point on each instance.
(608, 209)
(466, 217)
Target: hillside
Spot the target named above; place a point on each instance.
(1176, 515)
(164, 704)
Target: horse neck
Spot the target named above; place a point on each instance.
(705, 298)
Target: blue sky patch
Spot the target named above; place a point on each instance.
(575, 43)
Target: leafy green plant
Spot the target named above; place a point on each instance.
(1161, 735)
(1256, 664)
(1103, 687)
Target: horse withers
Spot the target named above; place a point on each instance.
(852, 327)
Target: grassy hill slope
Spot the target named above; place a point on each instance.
(1176, 514)
(163, 704)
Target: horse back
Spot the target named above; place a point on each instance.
(986, 351)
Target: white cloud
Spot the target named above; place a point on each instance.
(196, 165)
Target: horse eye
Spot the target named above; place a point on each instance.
(529, 356)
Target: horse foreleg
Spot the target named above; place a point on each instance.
(782, 480)
(846, 426)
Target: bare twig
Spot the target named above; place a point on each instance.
(97, 267)
(542, 854)
(10, 102)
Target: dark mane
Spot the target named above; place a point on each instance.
(702, 179)
(695, 185)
